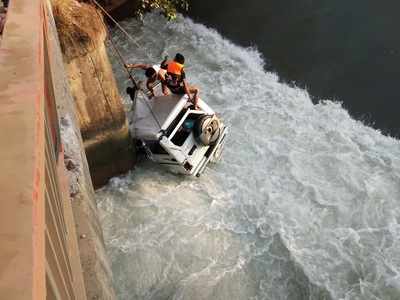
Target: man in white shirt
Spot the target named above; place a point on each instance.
(153, 73)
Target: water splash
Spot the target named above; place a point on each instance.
(304, 205)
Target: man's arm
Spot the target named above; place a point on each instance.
(137, 66)
(150, 88)
(164, 87)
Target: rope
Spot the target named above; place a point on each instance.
(136, 85)
(134, 82)
(101, 87)
(122, 60)
(116, 23)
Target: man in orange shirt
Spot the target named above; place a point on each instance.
(175, 77)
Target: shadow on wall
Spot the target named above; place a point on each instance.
(3, 15)
(121, 9)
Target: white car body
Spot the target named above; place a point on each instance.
(162, 125)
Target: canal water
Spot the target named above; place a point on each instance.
(343, 50)
(303, 205)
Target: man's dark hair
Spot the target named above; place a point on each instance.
(179, 58)
(150, 72)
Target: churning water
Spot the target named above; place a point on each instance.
(305, 203)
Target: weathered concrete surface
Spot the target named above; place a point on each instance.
(100, 112)
(53, 52)
(96, 268)
(22, 244)
(32, 180)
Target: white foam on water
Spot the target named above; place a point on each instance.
(303, 205)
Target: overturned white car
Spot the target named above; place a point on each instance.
(173, 133)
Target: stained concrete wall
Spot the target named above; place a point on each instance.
(100, 112)
(39, 256)
(96, 267)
